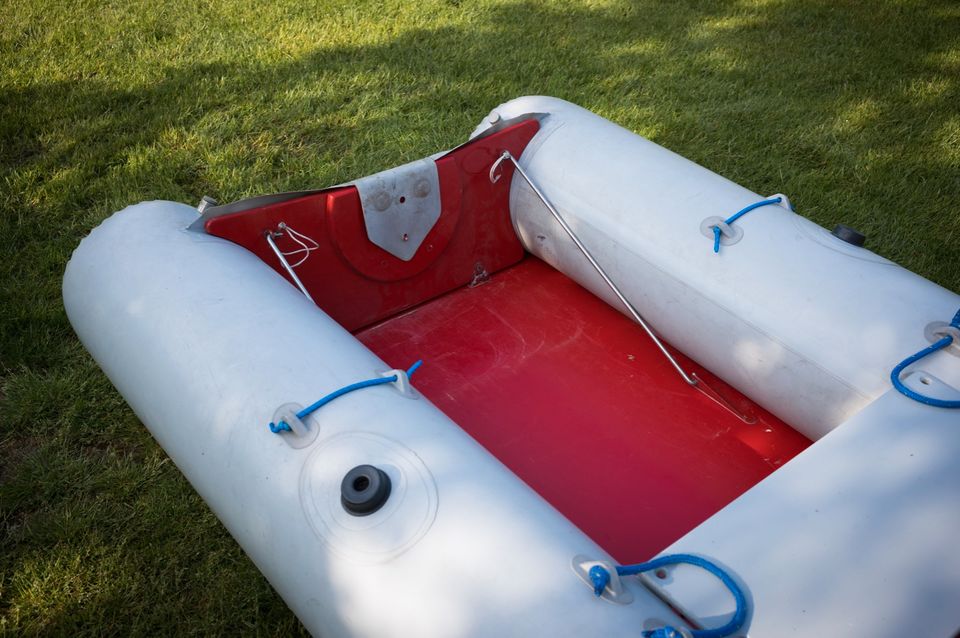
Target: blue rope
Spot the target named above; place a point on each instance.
(283, 426)
(600, 577)
(738, 215)
(916, 396)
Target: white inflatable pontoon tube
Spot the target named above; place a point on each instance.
(205, 342)
(802, 322)
(856, 536)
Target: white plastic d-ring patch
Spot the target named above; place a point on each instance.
(728, 234)
(937, 330)
(301, 433)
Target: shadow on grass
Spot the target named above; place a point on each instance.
(721, 84)
(850, 109)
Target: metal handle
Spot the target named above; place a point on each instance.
(286, 264)
(689, 379)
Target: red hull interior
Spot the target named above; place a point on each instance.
(574, 398)
(566, 391)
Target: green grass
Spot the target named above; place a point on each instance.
(852, 109)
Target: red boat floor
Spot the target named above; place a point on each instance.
(576, 400)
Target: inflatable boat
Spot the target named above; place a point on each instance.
(555, 381)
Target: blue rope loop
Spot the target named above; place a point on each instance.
(283, 426)
(600, 578)
(903, 365)
(740, 213)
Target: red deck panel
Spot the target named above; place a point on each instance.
(576, 400)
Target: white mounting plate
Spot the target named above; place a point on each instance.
(401, 206)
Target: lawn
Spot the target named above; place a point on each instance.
(852, 109)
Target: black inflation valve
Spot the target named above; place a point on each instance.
(364, 490)
(849, 235)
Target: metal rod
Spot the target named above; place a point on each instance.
(286, 265)
(690, 380)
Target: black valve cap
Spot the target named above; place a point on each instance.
(364, 490)
(849, 235)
